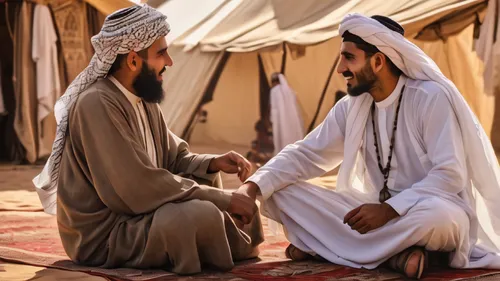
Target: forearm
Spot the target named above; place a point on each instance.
(218, 197)
(434, 185)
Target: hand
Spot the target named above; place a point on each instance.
(249, 189)
(231, 163)
(237, 221)
(368, 217)
(242, 207)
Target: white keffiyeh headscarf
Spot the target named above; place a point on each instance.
(130, 29)
(482, 163)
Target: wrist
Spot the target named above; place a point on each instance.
(213, 166)
(390, 212)
(252, 189)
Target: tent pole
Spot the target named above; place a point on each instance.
(283, 59)
(207, 96)
(264, 89)
(311, 126)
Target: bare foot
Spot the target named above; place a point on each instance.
(415, 261)
(296, 254)
(411, 262)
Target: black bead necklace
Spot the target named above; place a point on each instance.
(384, 193)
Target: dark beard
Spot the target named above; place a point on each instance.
(147, 86)
(366, 80)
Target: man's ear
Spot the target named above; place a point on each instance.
(378, 61)
(133, 61)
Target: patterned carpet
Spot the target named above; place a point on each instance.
(30, 245)
(32, 238)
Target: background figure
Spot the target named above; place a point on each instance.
(286, 119)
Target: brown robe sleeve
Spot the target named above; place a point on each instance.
(119, 167)
(182, 162)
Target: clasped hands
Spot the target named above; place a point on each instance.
(242, 207)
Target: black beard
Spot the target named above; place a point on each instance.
(147, 86)
(366, 80)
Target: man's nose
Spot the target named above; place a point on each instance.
(168, 61)
(341, 68)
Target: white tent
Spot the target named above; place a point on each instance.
(182, 17)
(249, 29)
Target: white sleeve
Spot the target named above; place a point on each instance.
(319, 152)
(445, 151)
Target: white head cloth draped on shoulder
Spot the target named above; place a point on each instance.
(130, 29)
(482, 164)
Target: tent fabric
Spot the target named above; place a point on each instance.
(73, 25)
(25, 83)
(234, 110)
(185, 83)
(199, 31)
(68, 16)
(263, 25)
(77, 22)
(237, 90)
(488, 49)
(183, 17)
(454, 22)
(235, 107)
(307, 75)
(255, 24)
(109, 6)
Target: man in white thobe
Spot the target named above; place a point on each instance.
(418, 172)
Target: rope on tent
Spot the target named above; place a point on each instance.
(322, 98)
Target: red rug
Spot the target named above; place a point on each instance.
(32, 238)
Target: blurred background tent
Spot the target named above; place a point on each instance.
(225, 51)
(24, 138)
(222, 62)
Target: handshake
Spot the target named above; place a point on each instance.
(242, 207)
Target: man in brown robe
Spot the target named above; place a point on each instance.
(130, 193)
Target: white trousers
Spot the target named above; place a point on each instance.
(313, 221)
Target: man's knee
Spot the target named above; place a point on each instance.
(205, 214)
(437, 214)
(191, 215)
(188, 228)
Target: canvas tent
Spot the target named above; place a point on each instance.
(109, 6)
(220, 57)
(24, 138)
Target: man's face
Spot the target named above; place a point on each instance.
(148, 83)
(356, 69)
